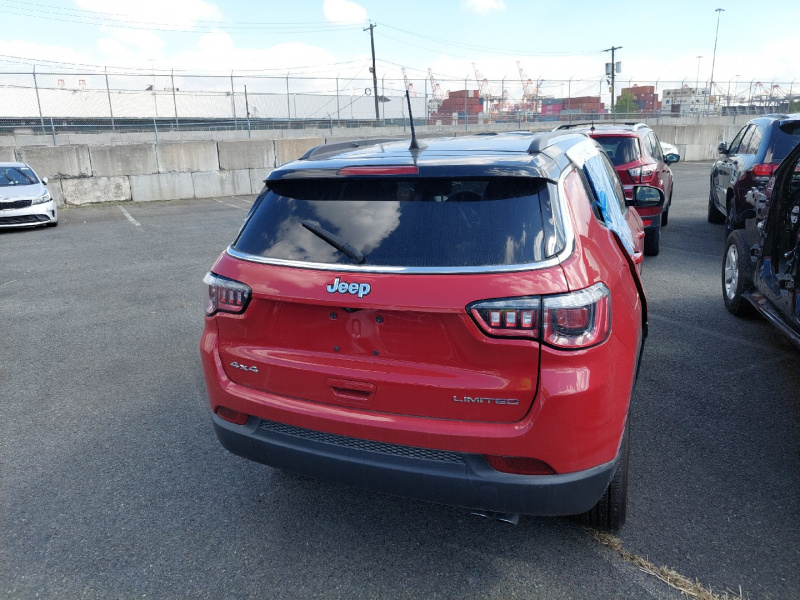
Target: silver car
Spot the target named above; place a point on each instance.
(24, 199)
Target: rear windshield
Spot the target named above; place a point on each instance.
(399, 222)
(783, 140)
(620, 149)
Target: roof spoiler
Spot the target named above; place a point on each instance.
(338, 147)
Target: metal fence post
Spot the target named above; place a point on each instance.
(38, 101)
(233, 104)
(247, 110)
(53, 129)
(110, 106)
(288, 102)
(338, 114)
(466, 114)
(174, 99)
(155, 128)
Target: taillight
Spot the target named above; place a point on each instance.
(510, 317)
(519, 465)
(643, 174)
(578, 319)
(225, 295)
(765, 170)
(574, 320)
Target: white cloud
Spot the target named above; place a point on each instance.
(344, 12)
(483, 6)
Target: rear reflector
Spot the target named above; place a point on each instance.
(233, 416)
(519, 465)
(380, 170)
(225, 295)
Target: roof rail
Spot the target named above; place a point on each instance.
(571, 125)
(325, 149)
(549, 138)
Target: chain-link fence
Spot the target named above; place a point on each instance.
(42, 108)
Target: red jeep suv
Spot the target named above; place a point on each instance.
(636, 153)
(460, 323)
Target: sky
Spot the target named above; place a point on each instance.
(555, 42)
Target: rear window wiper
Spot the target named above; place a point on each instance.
(335, 241)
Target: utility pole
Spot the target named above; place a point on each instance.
(612, 71)
(374, 72)
(714, 58)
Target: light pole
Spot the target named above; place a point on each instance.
(697, 77)
(714, 57)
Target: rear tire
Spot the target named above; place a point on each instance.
(714, 216)
(611, 510)
(736, 274)
(652, 239)
(665, 214)
(732, 223)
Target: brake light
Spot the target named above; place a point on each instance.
(575, 320)
(765, 170)
(643, 174)
(225, 295)
(578, 319)
(511, 317)
(519, 465)
(380, 170)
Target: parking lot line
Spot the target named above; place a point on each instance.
(129, 217)
(233, 205)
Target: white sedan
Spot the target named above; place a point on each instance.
(668, 149)
(24, 199)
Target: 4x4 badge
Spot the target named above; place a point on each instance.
(342, 287)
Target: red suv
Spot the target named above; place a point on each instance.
(636, 153)
(460, 323)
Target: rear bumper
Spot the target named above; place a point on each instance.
(451, 478)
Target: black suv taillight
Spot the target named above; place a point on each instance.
(574, 320)
(226, 295)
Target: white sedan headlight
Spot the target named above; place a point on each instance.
(46, 197)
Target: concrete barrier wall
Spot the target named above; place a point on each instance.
(141, 172)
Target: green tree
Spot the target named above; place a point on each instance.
(794, 106)
(626, 103)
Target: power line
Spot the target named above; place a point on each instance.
(488, 49)
(85, 17)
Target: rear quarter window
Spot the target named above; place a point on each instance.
(407, 222)
(782, 143)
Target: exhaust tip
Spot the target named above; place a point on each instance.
(512, 518)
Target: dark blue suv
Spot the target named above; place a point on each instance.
(748, 162)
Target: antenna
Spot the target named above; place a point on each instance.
(414, 145)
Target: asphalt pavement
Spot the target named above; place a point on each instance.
(113, 485)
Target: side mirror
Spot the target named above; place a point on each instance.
(722, 148)
(44, 180)
(672, 158)
(647, 196)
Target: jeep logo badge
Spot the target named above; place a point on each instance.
(342, 287)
